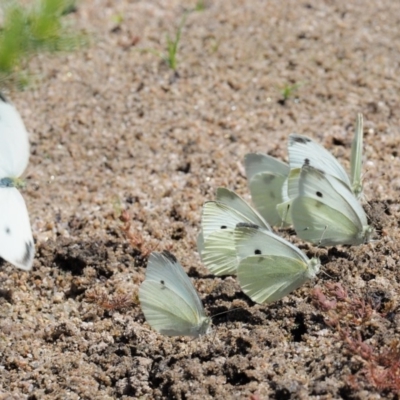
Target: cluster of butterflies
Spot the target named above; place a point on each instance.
(313, 193)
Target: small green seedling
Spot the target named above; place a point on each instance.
(288, 91)
(29, 30)
(118, 19)
(200, 5)
(172, 47)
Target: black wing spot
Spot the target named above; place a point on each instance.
(257, 251)
(224, 227)
(169, 256)
(306, 161)
(301, 139)
(3, 98)
(319, 194)
(162, 283)
(7, 230)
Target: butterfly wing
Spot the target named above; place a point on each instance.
(219, 218)
(219, 253)
(216, 247)
(169, 300)
(14, 149)
(266, 179)
(356, 157)
(240, 206)
(269, 278)
(252, 240)
(16, 242)
(291, 188)
(200, 243)
(257, 162)
(270, 267)
(302, 148)
(326, 211)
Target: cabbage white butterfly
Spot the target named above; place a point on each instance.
(266, 179)
(326, 211)
(270, 267)
(16, 242)
(219, 219)
(303, 148)
(169, 300)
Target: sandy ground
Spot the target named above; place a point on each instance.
(114, 129)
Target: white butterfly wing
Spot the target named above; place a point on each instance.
(270, 267)
(218, 216)
(14, 149)
(16, 242)
(326, 211)
(200, 243)
(257, 162)
(219, 219)
(215, 242)
(266, 279)
(219, 253)
(302, 148)
(291, 188)
(356, 157)
(240, 206)
(169, 300)
(252, 240)
(266, 179)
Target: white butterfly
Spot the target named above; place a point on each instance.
(270, 267)
(266, 178)
(326, 211)
(16, 242)
(216, 239)
(300, 148)
(169, 300)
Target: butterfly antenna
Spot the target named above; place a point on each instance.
(324, 272)
(221, 313)
(227, 311)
